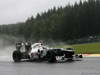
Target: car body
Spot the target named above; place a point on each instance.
(44, 53)
(38, 51)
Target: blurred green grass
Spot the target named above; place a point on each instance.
(90, 48)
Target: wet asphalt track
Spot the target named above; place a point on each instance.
(86, 66)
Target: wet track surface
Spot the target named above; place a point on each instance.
(86, 66)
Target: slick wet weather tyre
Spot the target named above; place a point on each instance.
(80, 56)
(16, 56)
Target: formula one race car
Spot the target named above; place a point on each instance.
(40, 52)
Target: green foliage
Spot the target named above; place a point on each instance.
(71, 22)
(88, 48)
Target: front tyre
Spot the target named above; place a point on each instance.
(51, 56)
(80, 56)
(17, 56)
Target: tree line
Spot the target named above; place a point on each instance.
(63, 23)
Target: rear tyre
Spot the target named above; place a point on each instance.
(17, 56)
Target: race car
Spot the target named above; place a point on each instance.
(44, 53)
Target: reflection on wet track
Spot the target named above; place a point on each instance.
(87, 65)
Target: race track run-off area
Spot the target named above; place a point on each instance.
(91, 55)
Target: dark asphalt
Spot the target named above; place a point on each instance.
(86, 66)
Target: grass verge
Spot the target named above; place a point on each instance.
(91, 48)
